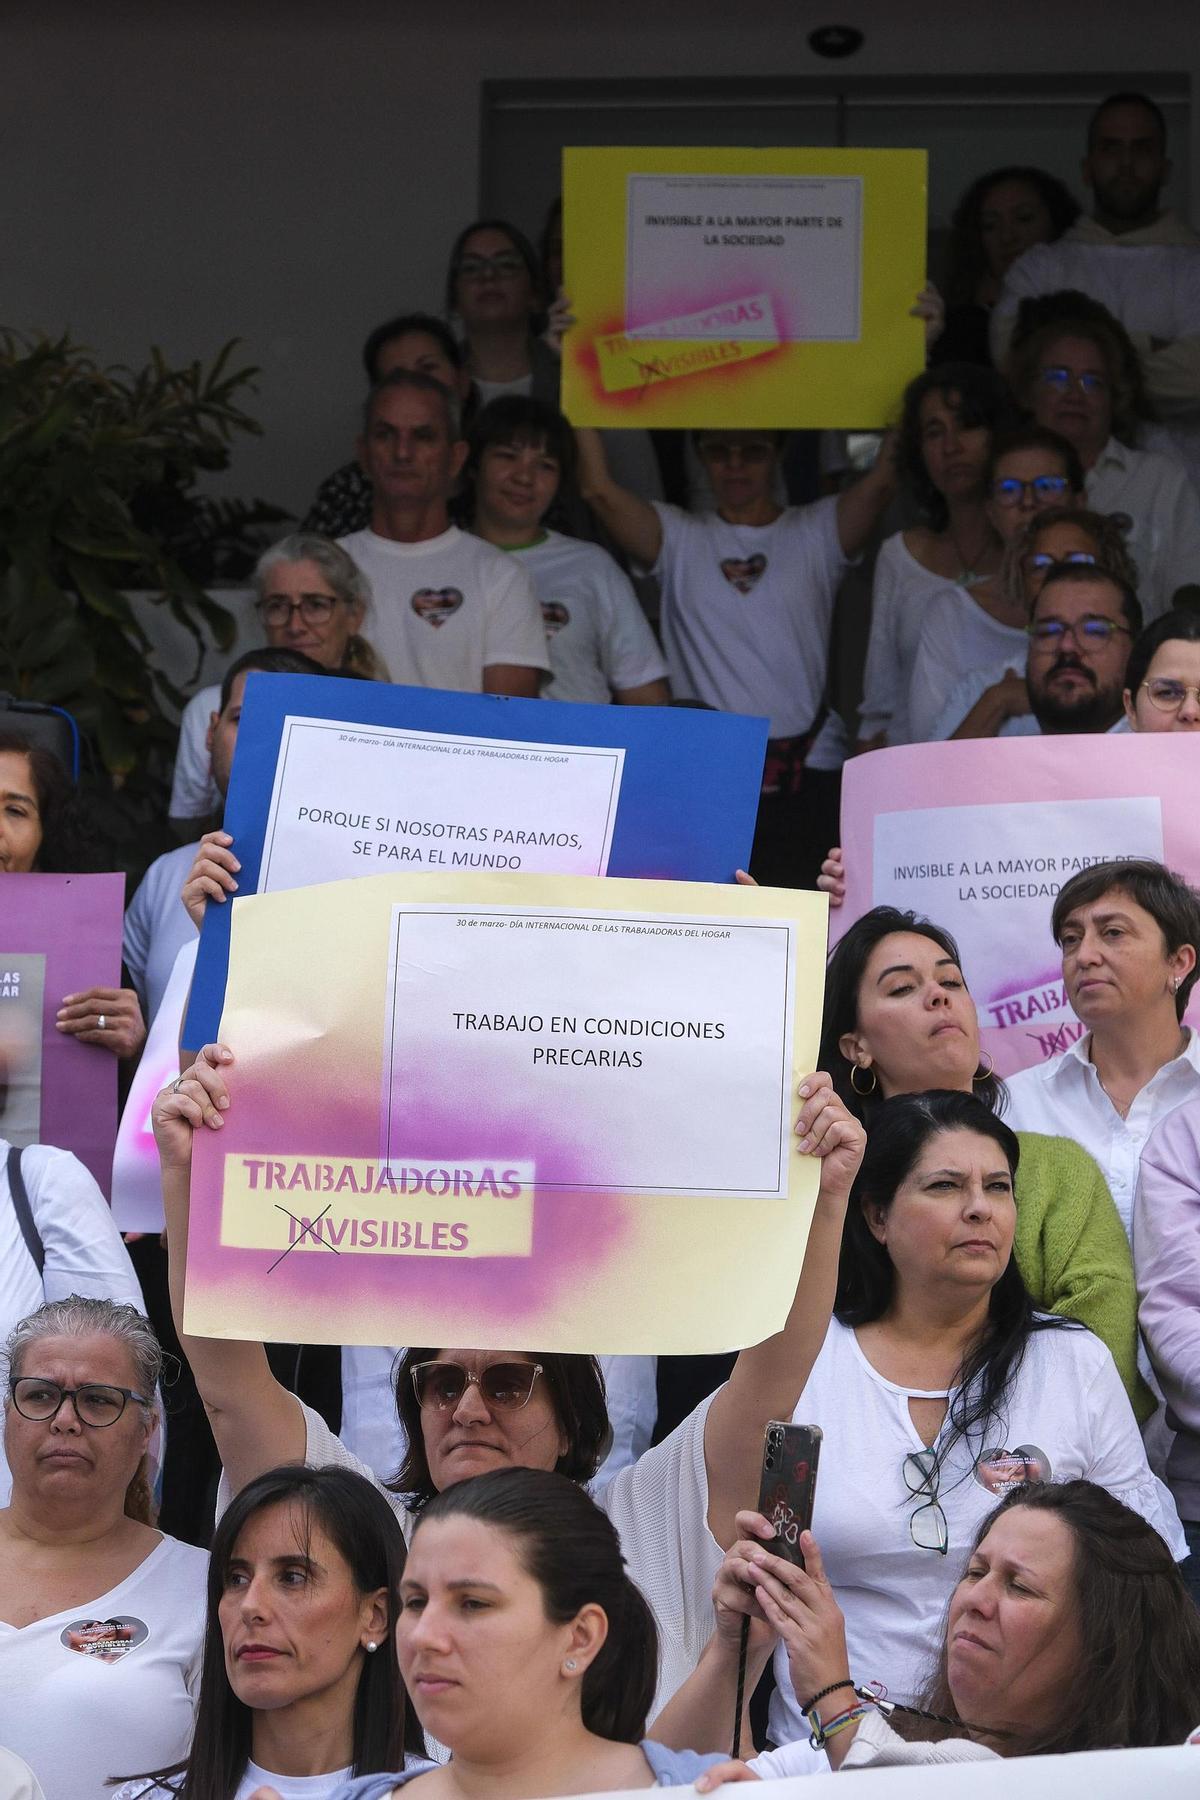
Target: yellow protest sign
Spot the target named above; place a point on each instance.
(499, 1109)
(748, 288)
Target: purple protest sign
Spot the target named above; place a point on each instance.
(59, 934)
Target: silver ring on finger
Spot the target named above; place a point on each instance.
(177, 1084)
(101, 1023)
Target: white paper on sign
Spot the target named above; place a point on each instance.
(703, 249)
(989, 874)
(666, 1042)
(352, 800)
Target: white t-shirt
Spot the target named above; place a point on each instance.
(1164, 536)
(956, 637)
(747, 610)
(448, 608)
(972, 686)
(84, 1252)
(599, 639)
(288, 1787)
(900, 596)
(194, 793)
(78, 1714)
(659, 1507)
(157, 926)
(1067, 1408)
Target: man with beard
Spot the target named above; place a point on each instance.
(1135, 256)
(1081, 631)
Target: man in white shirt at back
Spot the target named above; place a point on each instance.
(450, 611)
(1141, 260)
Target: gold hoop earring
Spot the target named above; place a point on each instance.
(988, 1072)
(862, 1092)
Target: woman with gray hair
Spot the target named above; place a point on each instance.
(310, 596)
(101, 1616)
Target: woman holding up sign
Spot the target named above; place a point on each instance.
(472, 1411)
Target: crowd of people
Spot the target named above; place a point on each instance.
(228, 1566)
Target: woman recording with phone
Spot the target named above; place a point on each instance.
(939, 1388)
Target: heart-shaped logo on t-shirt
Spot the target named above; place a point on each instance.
(436, 605)
(107, 1640)
(554, 616)
(742, 572)
(998, 1470)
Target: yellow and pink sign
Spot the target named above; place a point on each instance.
(748, 288)
(498, 1109)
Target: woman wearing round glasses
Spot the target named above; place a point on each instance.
(939, 1388)
(469, 1411)
(1028, 472)
(1078, 374)
(308, 596)
(101, 1616)
(1162, 678)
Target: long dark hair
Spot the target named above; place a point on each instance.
(1137, 1681)
(576, 1385)
(68, 846)
(966, 263)
(979, 396)
(900, 1129)
(358, 1521)
(843, 981)
(571, 1549)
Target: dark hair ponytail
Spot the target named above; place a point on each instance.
(572, 1551)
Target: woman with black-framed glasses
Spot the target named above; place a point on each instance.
(939, 1388)
(101, 1616)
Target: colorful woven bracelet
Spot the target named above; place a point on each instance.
(821, 1734)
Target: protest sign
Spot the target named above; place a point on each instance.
(136, 1176)
(980, 836)
(334, 779)
(1167, 1774)
(59, 934)
(735, 287)
(498, 1109)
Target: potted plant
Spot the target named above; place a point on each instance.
(98, 495)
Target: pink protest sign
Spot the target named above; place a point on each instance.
(59, 934)
(980, 836)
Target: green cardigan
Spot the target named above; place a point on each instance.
(1072, 1250)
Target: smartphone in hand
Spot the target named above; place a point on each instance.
(788, 1484)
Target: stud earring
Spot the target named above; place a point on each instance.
(371, 1649)
(570, 1665)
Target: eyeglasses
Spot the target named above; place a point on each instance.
(1063, 380)
(753, 454)
(95, 1403)
(314, 609)
(927, 1527)
(506, 1386)
(1043, 489)
(1090, 633)
(1042, 559)
(478, 268)
(1169, 695)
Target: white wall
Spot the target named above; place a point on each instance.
(292, 173)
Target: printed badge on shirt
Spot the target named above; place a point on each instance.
(999, 1470)
(108, 1640)
(742, 572)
